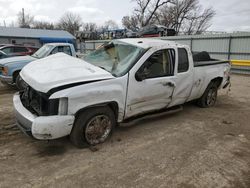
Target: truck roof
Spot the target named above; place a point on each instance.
(148, 42)
(59, 44)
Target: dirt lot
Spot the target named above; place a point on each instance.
(192, 148)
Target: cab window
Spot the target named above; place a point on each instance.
(159, 64)
(183, 63)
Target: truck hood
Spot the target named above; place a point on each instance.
(17, 59)
(60, 70)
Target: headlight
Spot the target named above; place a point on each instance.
(63, 106)
(5, 71)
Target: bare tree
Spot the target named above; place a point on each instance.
(43, 25)
(70, 22)
(89, 27)
(130, 22)
(146, 9)
(24, 20)
(110, 24)
(204, 20)
(186, 16)
(181, 11)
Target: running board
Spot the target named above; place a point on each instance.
(135, 119)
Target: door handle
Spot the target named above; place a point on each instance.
(169, 84)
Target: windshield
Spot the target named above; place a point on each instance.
(115, 57)
(43, 51)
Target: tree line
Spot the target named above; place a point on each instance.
(185, 16)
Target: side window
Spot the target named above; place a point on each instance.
(20, 49)
(54, 51)
(66, 50)
(63, 49)
(159, 64)
(7, 50)
(183, 63)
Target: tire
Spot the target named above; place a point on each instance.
(89, 126)
(208, 99)
(20, 84)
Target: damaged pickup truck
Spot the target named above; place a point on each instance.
(118, 82)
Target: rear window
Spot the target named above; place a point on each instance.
(183, 63)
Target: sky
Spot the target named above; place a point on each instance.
(231, 15)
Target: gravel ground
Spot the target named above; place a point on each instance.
(192, 148)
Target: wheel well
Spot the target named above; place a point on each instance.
(217, 81)
(112, 105)
(15, 75)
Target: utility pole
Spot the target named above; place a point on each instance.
(23, 19)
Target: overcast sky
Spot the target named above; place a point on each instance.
(231, 15)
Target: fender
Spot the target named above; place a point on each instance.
(110, 91)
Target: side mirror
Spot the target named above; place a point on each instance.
(141, 75)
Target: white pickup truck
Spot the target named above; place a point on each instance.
(116, 83)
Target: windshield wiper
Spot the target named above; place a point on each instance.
(103, 68)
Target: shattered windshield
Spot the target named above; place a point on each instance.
(115, 57)
(43, 51)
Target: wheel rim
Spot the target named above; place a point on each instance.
(98, 129)
(211, 97)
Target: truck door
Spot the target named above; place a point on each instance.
(151, 86)
(184, 77)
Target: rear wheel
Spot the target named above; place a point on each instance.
(208, 99)
(92, 127)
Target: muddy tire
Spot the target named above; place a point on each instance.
(20, 84)
(93, 126)
(208, 99)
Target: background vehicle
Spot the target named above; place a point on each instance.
(4, 55)
(16, 50)
(131, 34)
(156, 31)
(10, 67)
(118, 82)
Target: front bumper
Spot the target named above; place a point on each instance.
(6, 79)
(41, 127)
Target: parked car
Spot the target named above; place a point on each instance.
(131, 34)
(3, 55)
(117, 83)
(10, 67)
(16, 50)
(156, 31)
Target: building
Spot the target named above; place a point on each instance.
(33, 37)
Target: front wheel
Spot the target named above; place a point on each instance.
(208, 99)
(93, 126)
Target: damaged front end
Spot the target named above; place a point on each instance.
(40, 117)
(39, 103)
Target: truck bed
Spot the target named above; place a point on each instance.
(207, 63)
(204, 59)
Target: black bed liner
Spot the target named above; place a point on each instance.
(207, 63)
(204, 59)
